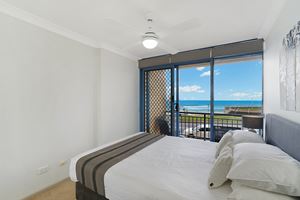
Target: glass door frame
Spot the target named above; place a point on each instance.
(142, 96)
(211, 100)
(175, 82)
(175, 111)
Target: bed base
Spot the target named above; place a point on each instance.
(83, 193)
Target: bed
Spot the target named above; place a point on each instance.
(175, 168)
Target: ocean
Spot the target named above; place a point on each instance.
(204, 105)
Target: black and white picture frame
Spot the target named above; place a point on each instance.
(289, 70)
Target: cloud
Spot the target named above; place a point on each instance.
(247, 95)
(256, 95)
(200, 68)
(207, 73)
(240, 94)
(191, 89)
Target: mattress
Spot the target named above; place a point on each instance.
(171, 168)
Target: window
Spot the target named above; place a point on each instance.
(238, 86)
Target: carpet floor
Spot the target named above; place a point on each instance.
(64, 190)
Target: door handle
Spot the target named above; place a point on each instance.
(176, 106)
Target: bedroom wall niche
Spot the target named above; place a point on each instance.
(281, 64)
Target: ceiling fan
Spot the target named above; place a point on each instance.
(156, 33)
(150, 39)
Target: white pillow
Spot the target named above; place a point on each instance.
(240, 192)
(225, 141)
(265, 167)
(219, 171)
(245, 136)
(234, 137)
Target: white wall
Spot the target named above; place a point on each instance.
(47, 105)
(289, 16)
(119, 100)
(49, 92)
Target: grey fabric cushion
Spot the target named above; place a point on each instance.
(284, 134)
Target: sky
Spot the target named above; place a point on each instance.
(233, 81)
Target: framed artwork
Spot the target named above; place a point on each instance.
(289, 70)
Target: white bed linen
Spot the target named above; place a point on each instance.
(170, 169)
(72, 167)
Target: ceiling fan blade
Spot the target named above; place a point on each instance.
(168, 48)
(162, 45)
(121, 26)
(185, 26)
(139, 43)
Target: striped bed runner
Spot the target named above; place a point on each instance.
(90, 169)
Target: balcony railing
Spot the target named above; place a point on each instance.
(197, 125)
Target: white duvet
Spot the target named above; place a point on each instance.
(170, 169)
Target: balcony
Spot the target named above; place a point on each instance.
(197, 125)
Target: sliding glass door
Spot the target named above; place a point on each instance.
(194, 100)
(159, 101)
(238, 91)
(202, 100)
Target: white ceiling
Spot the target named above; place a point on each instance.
(181, 24)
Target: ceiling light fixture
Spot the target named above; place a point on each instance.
(150, 40)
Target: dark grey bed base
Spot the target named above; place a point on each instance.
(284, 134)
(280, 132)
(83, 193)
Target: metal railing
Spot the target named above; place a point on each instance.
(197, 125)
